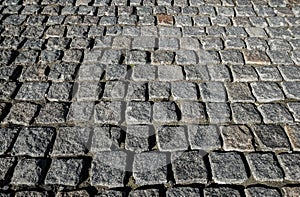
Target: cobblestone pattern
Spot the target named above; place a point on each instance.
(150, 98)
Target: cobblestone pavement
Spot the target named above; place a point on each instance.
(150, 98)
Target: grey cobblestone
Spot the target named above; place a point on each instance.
(204, 137)
(290, 165)
(171, 138)
(255, 191)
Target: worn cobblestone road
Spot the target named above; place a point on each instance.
(150, 98)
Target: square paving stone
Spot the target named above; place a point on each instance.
(193, 111)
(7, 89)
(243, 73)
(186, 57)
(245, 113)
(293, 132)
(60, 92)
(172, 138)
(291, 89)
(144, 43)
(144, 192)
(63, 72)
(73, 193)
(170, 73)
(32, 193)
(81, 111)
(159, 90)
(86, 91)
(137, 137)
(236, 138)
(221, 191)
(33, 141)
(145, 72)
(21, 113)
(291, 191)
(218, 112)
(90, 72)
(184, 91)
(68, 143)
(196, 72)
(233, 57)
(264, 167)
(290, 163)
(7, 135)
(262, 191)
(183, 191)
(204, 137)
(270, 137)
(294, 107)
(114, 90)
(275, 113)
(213, 92)
(256, 57)
(208, 57)
(267, 91)
(219, 73)
(138, 113)
(53, 113)
(136, 91)
(168, 43)
(280, 57)
(268, 73)
(28, 172)
(108, 169)
(6, 165)
(189, 167)
(64, 171)
(290, 73)
(108, 112)
(116, 72)
(6, 72)
(165, 112)
(104, 137)
(162, 57)
(150, 168)
(239, 92)
(227, 167)
(33, 91)
(136, 57)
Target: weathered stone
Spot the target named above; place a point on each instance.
(245, 113)
(243, 73)
(159, 90)
(144, 72)
(81, 111)
(28, 172)
(138, 113)
(227, 167)
(53, 113)
(104, 138)
(165, 112)
(33, 141)
(150, 168)
(59, 92)
(171, 138)
(239, 92)
(192, 111)
(275, 113)
(236, 138)
(196, 72)
(170, 73)
(108, 112)
(64, 172)
(183, 191)
(290, 165)
(212, 92)
(221, 191)
(256, 57)
(184, 91)
(137, 137)
(108, 169)
(233, 57)
(6, 165)
(62, 72)
(186, 57)
(268, 73)
(86, 91)
(218, 112)
(291, 191)
(34, 91)
(109, 192)
(144, 192)
(270, 137)
(290, 73)
(136, 91)
(218, 73)
(21, 113)
(116, 72)
(261, 191)
(114, 90)
(267, 91)
(264, 167)
(293, 132)
(204, 137)
(6, 90)
(90, 72)
(189, 167)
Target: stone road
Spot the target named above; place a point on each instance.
(150, 98)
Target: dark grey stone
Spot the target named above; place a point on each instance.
(28, 172)
(68, 142)
(267, 91)
(165, 112)
(270, 137)
(189, 167)
(218, 112)
(150, 168)
(108, 169)
(264, 167)
(184, 91)
(7, 89)
(64, 171)
(137, 137)
(239, 92)
(159, 90)
(21, 113)
(53, 113)
(204, 137)
(213, 92)
(290, 163)
(227, 167)
(245, 113)
(221, 191)
(136, 91)
(172, 138)
(193, 111)
(59, 92)
(108, 112)
(81, 111)
(275, 113)
(32, 91)
(138, 113)
(183, 191)
(262, 191)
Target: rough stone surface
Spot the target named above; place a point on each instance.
(170, 138)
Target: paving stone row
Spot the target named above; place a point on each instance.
(149, 98)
